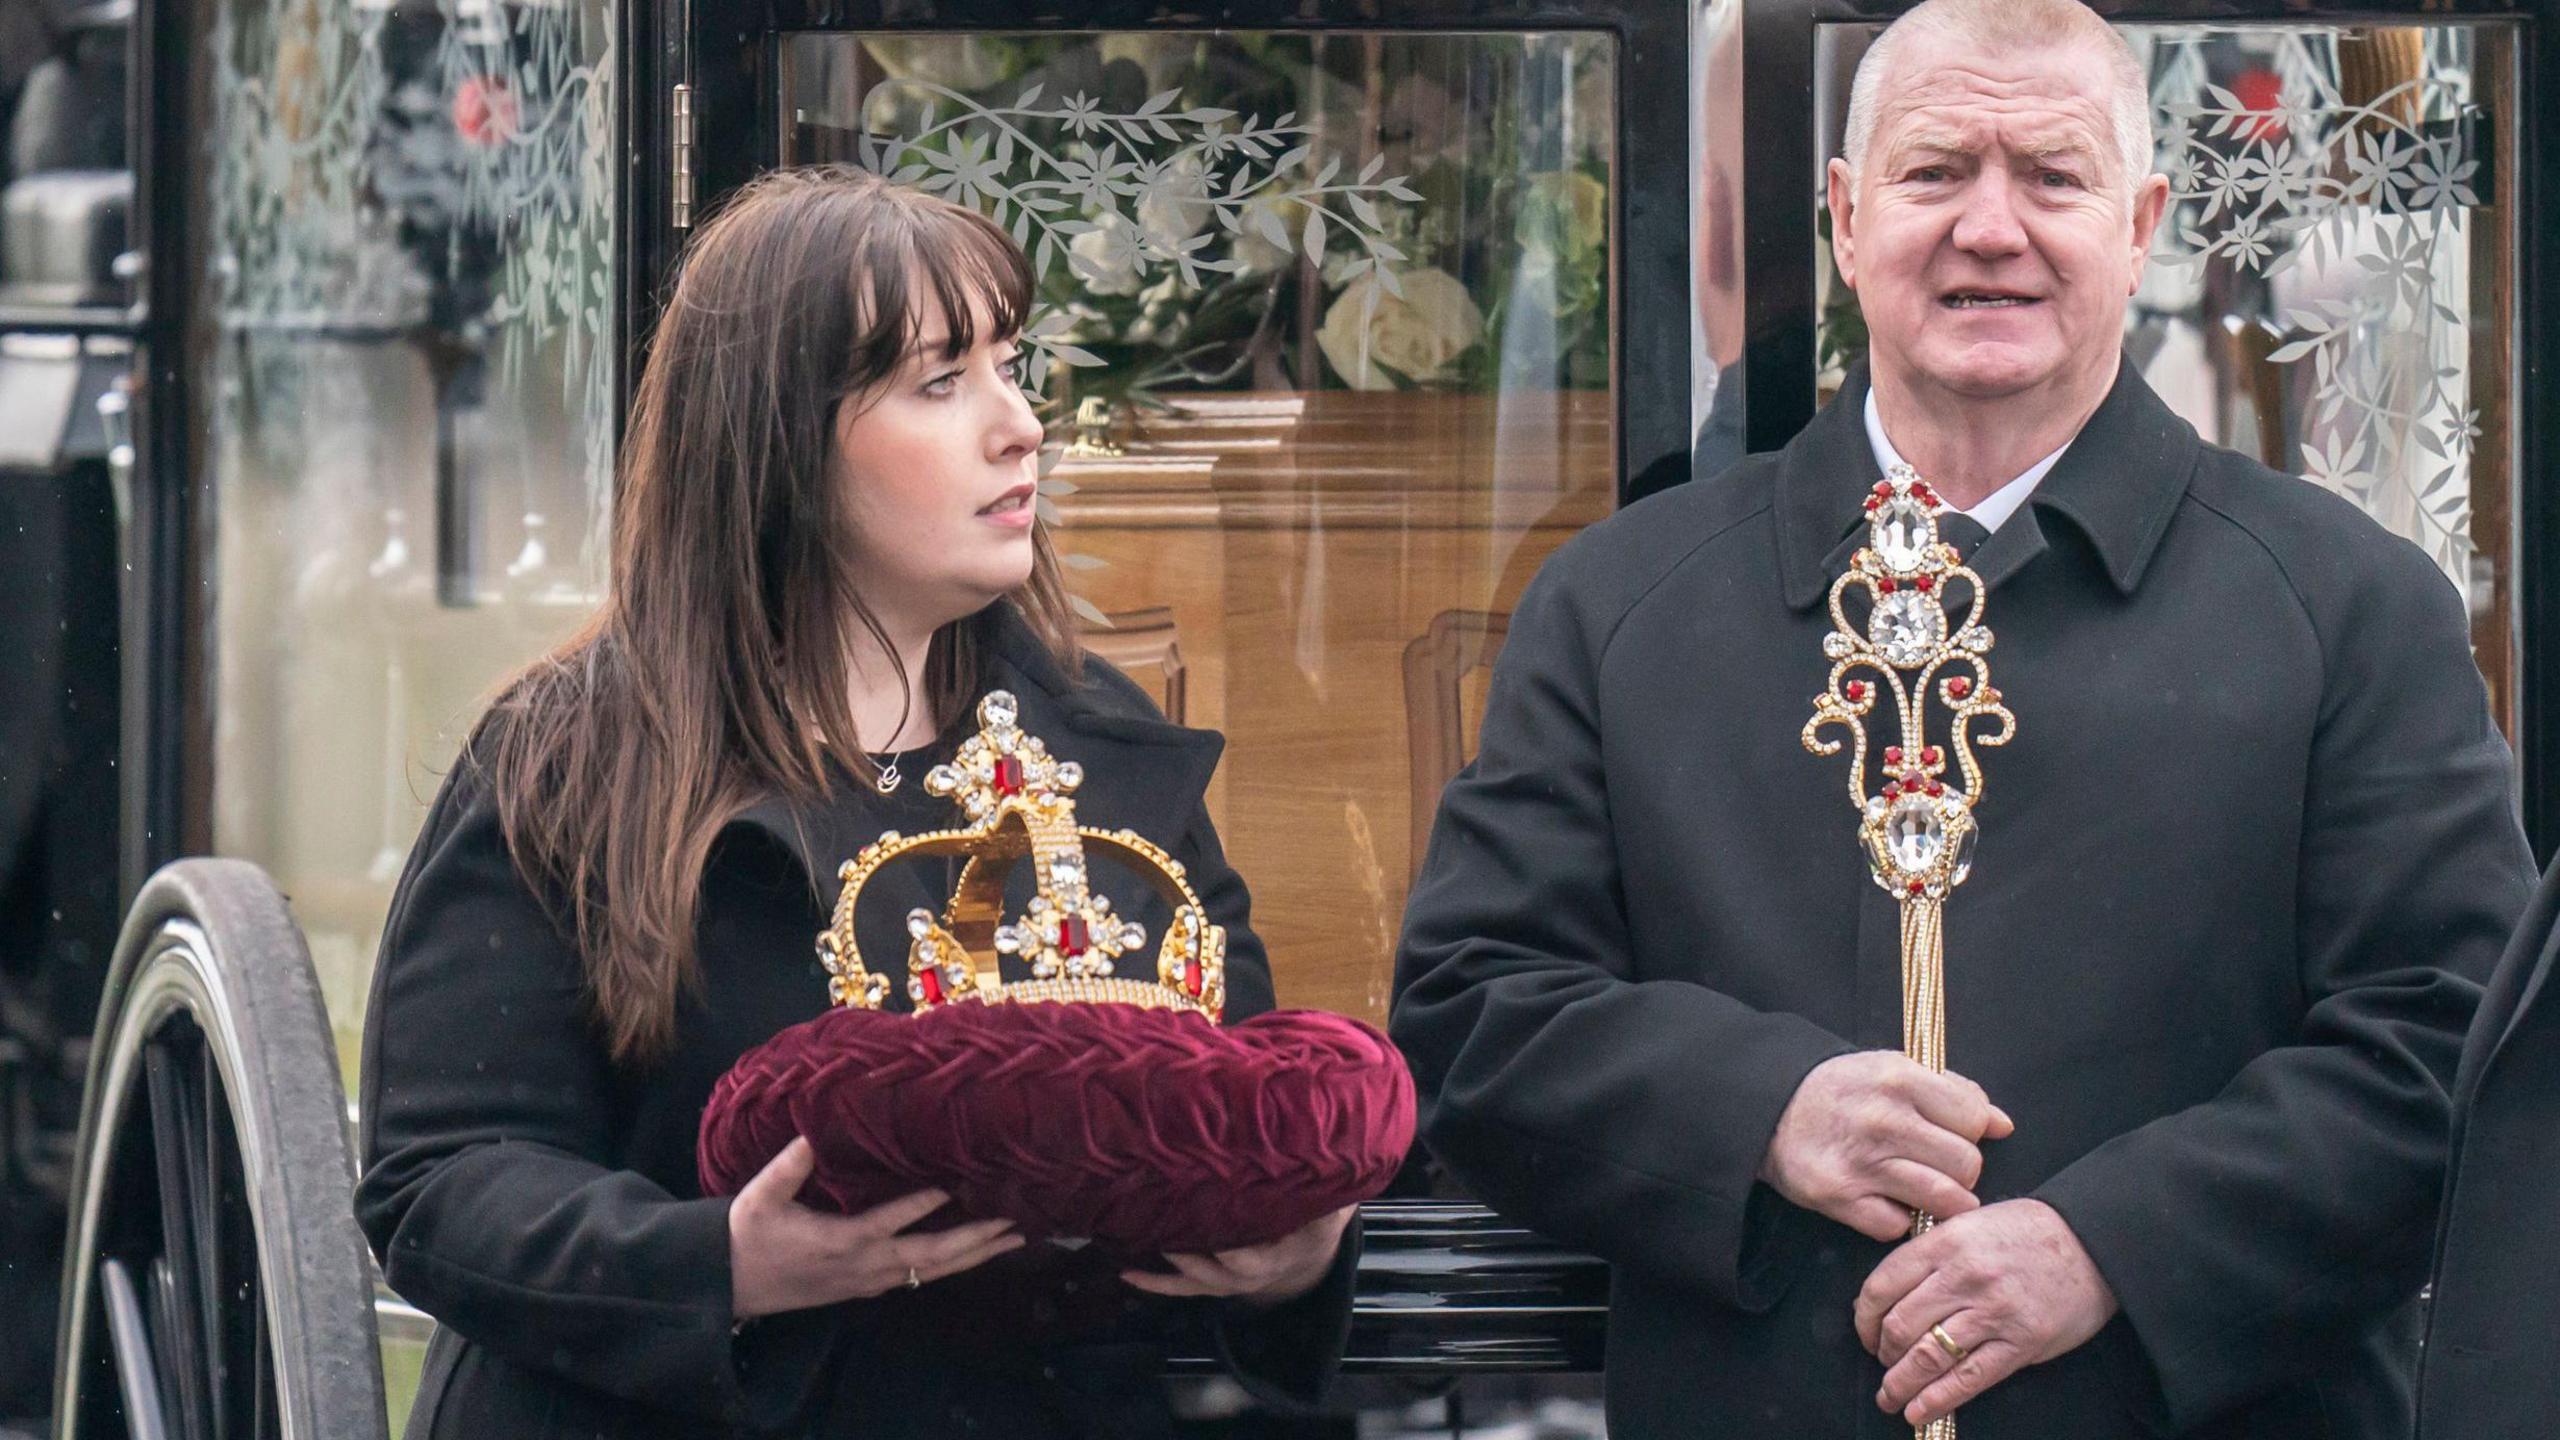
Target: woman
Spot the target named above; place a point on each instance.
(825, 551)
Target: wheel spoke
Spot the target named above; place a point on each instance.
(214, 1168)
(169, 1355)
(239, 1288)
(181, 1342)
(264, 1422)
(137, 1375)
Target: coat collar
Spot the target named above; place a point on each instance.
(2118, 484)
(1142, 772)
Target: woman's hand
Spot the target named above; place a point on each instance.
(785, 1256)
(1270, 1274)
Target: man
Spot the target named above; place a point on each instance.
(2241, 869)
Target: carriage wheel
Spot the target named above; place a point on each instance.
(216, 1286)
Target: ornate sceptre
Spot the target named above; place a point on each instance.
(1918, 828)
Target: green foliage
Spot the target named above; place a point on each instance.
(1189, 202)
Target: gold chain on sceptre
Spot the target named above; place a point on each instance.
(1917, 829)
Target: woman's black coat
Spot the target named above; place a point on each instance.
(2493, 1333)
(540, 1201)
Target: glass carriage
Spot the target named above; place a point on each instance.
(318, 319)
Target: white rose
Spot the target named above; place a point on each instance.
(1174, 208)
(1253, 249)
(1416, 334)
(1105, 261)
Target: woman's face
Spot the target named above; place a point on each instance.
(939, 465)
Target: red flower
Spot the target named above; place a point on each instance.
(485, 111)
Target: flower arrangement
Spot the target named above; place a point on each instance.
(1269, 210)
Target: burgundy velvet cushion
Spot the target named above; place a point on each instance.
(1150, 1130)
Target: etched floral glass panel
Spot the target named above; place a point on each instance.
(404, 414)
(1324, 328)
(2332, 289)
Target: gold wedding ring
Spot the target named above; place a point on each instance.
(1948, 1343)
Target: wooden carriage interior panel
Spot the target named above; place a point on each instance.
(1304, 546)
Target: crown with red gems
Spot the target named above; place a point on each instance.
(1014, 798)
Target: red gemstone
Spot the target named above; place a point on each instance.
(1883, 488)
(1929, 756)
(1892, 791)
(1855, 690)
(1917, 886)
(1874, 504)
(1937, 789)
(1884, 587)
(1923, 583)
(1893, 754)
(1913, 780)
(930, 981)
(1009, 776)
(1192, 978)
(1073, 936)
(1959, 687)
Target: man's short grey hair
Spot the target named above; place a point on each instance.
(2002, 26)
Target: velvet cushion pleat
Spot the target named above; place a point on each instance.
(1148, 1130)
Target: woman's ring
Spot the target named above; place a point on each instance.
(1946, 1342)
(913, 1281)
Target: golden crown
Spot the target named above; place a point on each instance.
(1014, 795)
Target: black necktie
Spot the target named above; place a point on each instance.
(1963, 532)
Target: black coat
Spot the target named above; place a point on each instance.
(2493, 1333)
(2241, 873)
(540, 1201)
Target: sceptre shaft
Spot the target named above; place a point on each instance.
(1917, 829)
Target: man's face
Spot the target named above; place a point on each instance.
(1990, 231)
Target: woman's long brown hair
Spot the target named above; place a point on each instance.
(717, 671)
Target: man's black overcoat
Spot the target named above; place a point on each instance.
(541, 1203)
(2241, 873)
(2493, 1333)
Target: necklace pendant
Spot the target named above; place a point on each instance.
(888, 780)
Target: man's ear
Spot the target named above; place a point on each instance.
(2150, 202)
(1841, 189)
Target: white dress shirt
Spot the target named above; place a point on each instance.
(1993, 508)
